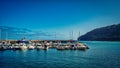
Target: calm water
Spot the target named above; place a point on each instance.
(100, 55)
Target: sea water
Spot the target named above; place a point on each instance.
(100, 55)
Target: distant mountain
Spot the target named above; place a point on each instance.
(108, 33)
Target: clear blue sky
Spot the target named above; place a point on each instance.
(47, 18)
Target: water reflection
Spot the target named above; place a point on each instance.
(98, 56)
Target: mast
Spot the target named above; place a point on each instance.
(69, 35)
(79, 35)
(72, 34)
(55, 35)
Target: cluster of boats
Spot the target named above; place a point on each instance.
(23, 45)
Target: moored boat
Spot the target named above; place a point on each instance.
(23, 46)
(39, 46)
(31, 47)
(60, 48)
(46, 47)
(16, 47)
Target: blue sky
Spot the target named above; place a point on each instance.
(56, 19)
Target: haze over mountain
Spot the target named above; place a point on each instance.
(108, 33)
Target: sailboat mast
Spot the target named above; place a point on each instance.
(55, 35)
(79, 34)
(72, 34)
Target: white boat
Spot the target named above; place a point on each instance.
(60, 48)
(72, 46)
(16, 47)
(46, 46)
(31, 47)
(23, 46)
(3, 47)
(66, 47)
(39, 46)
(10, 47)
(81, 47)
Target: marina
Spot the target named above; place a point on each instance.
(42, 45)
(59, 33)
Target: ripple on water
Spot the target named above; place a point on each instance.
(100, 55)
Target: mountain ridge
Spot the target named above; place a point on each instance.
(107, 33)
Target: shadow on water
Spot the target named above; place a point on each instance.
(39, 49)
(45, 51)
(2, 50)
